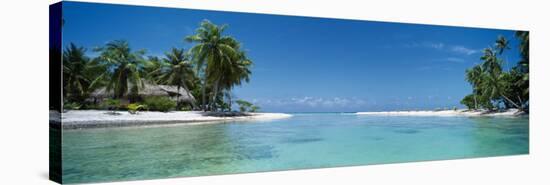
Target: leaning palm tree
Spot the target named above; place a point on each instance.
(492, 82)
(178, 72)
(75, 64)
(124, 74)
(495, 85)
(212, 51)
(494, 88)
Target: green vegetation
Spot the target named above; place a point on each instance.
(78, 70)
(126, 68)
(111, 104)
(176, 70)
(157, 103)
(245, 106)
(254, 108)
(71, 106)
(133, 108)
(495, 88)
(220, 61)
(210, 69)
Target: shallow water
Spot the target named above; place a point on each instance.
(302, 141)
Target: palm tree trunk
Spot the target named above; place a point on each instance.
(520, 101)
(178, 98)
(229, 98)
(512, 102)
(215, 89)
(189, 95)
(203, 92)
(475, 102)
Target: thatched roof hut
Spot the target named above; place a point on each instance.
(149, 89)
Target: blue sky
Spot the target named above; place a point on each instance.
(304, 64)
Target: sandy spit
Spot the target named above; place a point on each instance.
(77, 119)
(461, 112)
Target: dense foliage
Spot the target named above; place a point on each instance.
(245, 106)
(156, 103)
(495, 88)
(210, 69)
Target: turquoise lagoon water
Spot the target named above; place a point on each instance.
(302, 141)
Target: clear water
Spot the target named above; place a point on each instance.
(303, 141)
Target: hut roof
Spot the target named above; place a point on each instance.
(149, 89)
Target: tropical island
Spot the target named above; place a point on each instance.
(151, 81)
(495, 91)
(493, 87)
(122, 87)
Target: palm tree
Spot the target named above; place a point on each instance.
(232, 71)
(124, 74)
(491, 64)
(178, 72)
(212, 51)
(235, 74)
(492, 82)
(494, 88)
(153, 68)
(240, 72)
(524, 45)
(228, 98)
(501, 44)
(523, 65)
(75, 65)
(475, 77)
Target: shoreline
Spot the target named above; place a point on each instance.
(459, 112)
(83, 119)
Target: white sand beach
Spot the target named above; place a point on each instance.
(100, 118)
(460, 112)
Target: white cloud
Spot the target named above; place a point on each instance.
(309, 101)
(464, 50)
(444, 47)
(434, 45)
(453, 59)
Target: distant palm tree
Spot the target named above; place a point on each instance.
(75, 65)
(501, 44)
(212, 51)
(124, 68)
(178, 72)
